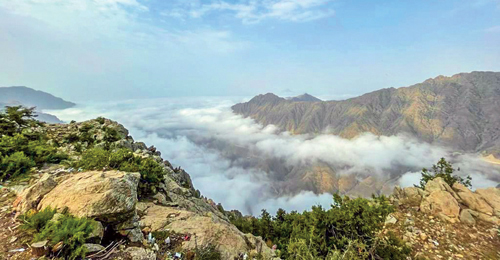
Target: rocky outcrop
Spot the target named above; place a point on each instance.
(492, 197)
(442, 204)
(30, 197)
(106, 196)
(204, 230)
(410, 196)
(110, 197)
(452, 204)
(472, 200)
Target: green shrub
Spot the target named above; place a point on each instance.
(15, 119)
(71, 138)
(15, 165)
(392, 247)
(94, 159)
(86, 135)
(151, 176)
(71, 231)
(444, 170)
(101, 120)
(110, 135)
(36, 221)
(347, 230)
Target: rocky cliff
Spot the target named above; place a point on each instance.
(132, 226)
(460, 112)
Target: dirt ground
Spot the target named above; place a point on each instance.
(433, 238)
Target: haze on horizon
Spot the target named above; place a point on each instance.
(121, 49)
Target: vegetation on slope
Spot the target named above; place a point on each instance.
(443, 169)
(67, 231)
(348, 230)
(21, 148)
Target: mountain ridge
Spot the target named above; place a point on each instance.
(31, 97)
(456, 111)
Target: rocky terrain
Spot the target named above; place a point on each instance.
(131, 227)
(459, 112)
(443, 222)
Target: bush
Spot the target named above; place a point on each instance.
(444, 170)
(348, 230)
(71, 231)
(15, 165)
(15, 119)
(36, 221)
(124, 160)
(151, 176)
(94, 159)
(101, 120)
(110, 135)
(392, 247)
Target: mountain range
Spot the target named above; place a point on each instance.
(460, 112)
(14, 96)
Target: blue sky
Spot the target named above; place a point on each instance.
(120, 49)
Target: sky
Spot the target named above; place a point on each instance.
(121, 49)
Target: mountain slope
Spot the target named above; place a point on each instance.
(31, 97)
(459, 111)
(304, 98)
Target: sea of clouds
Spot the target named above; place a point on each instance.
(202, 136)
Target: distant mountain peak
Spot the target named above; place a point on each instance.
(268, 98)
(31, 97)
(305, 98)
(459, 111)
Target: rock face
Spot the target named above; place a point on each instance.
(452, 204)
(472, 200)
(440, 203)
(204, 230)
(458, 111)
(492, 197)
(106, 196)
(410, 196)
(31, 196)
(110, 197)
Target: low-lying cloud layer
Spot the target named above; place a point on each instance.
(246, 166)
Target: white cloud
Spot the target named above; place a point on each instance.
(220, 149)
(253, 11)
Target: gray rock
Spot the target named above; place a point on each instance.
(391, 220)
(97, 234)
(137, 253)
(93, 248)
(466, 217)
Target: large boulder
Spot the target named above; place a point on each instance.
(409, 196)
(492, 197)
(30, 197)
(439, 184)
(441, 204)
(472, 200)
(109, 197)
(205, 230)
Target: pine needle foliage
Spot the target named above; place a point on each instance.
(70, 230)
(444, 170)
(348, 230)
